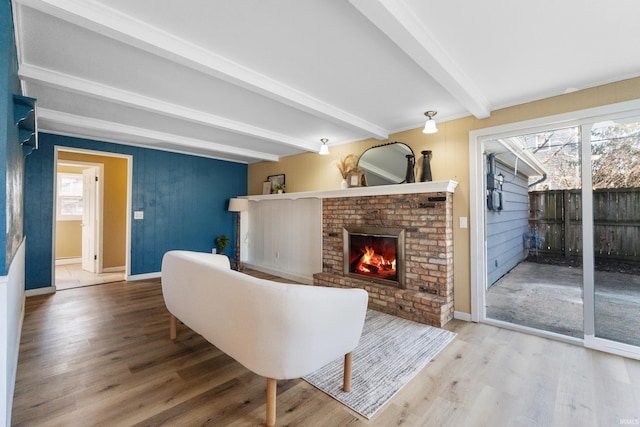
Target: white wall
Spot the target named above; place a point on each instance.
(11, 315)
(284, 237)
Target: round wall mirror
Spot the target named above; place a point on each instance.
(385, 164)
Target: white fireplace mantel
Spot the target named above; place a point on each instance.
(413, 188)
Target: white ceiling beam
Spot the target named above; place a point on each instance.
(109, 22)
(73, 120)
(97, 90)
(400, 23)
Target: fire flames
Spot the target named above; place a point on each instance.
(374, 263)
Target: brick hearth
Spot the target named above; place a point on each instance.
(427, 218)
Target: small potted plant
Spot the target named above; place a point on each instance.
(279, 188)
(221, 243)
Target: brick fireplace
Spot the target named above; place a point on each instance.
(426, 219)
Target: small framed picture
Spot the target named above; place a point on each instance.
(354, 179)
(266, 187)
(275, 180)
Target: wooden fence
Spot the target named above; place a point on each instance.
(558, 216)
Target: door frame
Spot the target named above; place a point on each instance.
(477, 184)
(129, 159)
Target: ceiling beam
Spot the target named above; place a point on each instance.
(400, 23)
(131, 99)
(111, 23)
(113, 128)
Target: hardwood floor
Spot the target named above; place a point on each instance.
(101, 355)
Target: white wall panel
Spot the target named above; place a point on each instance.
(285, 237)
(11, 316)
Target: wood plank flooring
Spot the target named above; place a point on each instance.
(101, 355)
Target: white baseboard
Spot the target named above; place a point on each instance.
(146, 276)
(40, 291)
(300, 279)
(65, 261)
(112, 269)
(460, 315)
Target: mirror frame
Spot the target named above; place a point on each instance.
(378, 170)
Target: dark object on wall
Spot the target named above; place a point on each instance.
(411, 164)
(24, 113)
(494, 186)
(425, 173)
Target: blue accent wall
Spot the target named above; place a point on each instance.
(11, 160)
(184, 199)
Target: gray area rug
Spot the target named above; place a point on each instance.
(391, 352)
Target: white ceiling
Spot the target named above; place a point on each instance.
(256, 80)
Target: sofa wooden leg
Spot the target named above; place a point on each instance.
(348, 359)
(271, 401)
(172, 326)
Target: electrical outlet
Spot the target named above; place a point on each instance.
(138, 215)
(463, 222)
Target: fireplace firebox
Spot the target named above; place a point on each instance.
(375, 253)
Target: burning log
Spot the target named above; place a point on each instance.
(354, 264)
(372, 268)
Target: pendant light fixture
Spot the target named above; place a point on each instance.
(430, 125)
(324, 148)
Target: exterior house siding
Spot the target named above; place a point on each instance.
(505, 229)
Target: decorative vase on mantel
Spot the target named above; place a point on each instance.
(411, 164)
(425, 172)
(344, 184)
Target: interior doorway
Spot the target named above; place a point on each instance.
(91, 217)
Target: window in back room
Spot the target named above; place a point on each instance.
(69, 201)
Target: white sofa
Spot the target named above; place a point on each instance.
(277, 330)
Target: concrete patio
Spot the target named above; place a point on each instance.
(549, 297)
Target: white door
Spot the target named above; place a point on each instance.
(89, 220)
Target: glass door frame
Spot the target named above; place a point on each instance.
(584, 119)
(590, 338)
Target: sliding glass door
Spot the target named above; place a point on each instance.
(615, 194)
(561, 230)
(533, 223)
